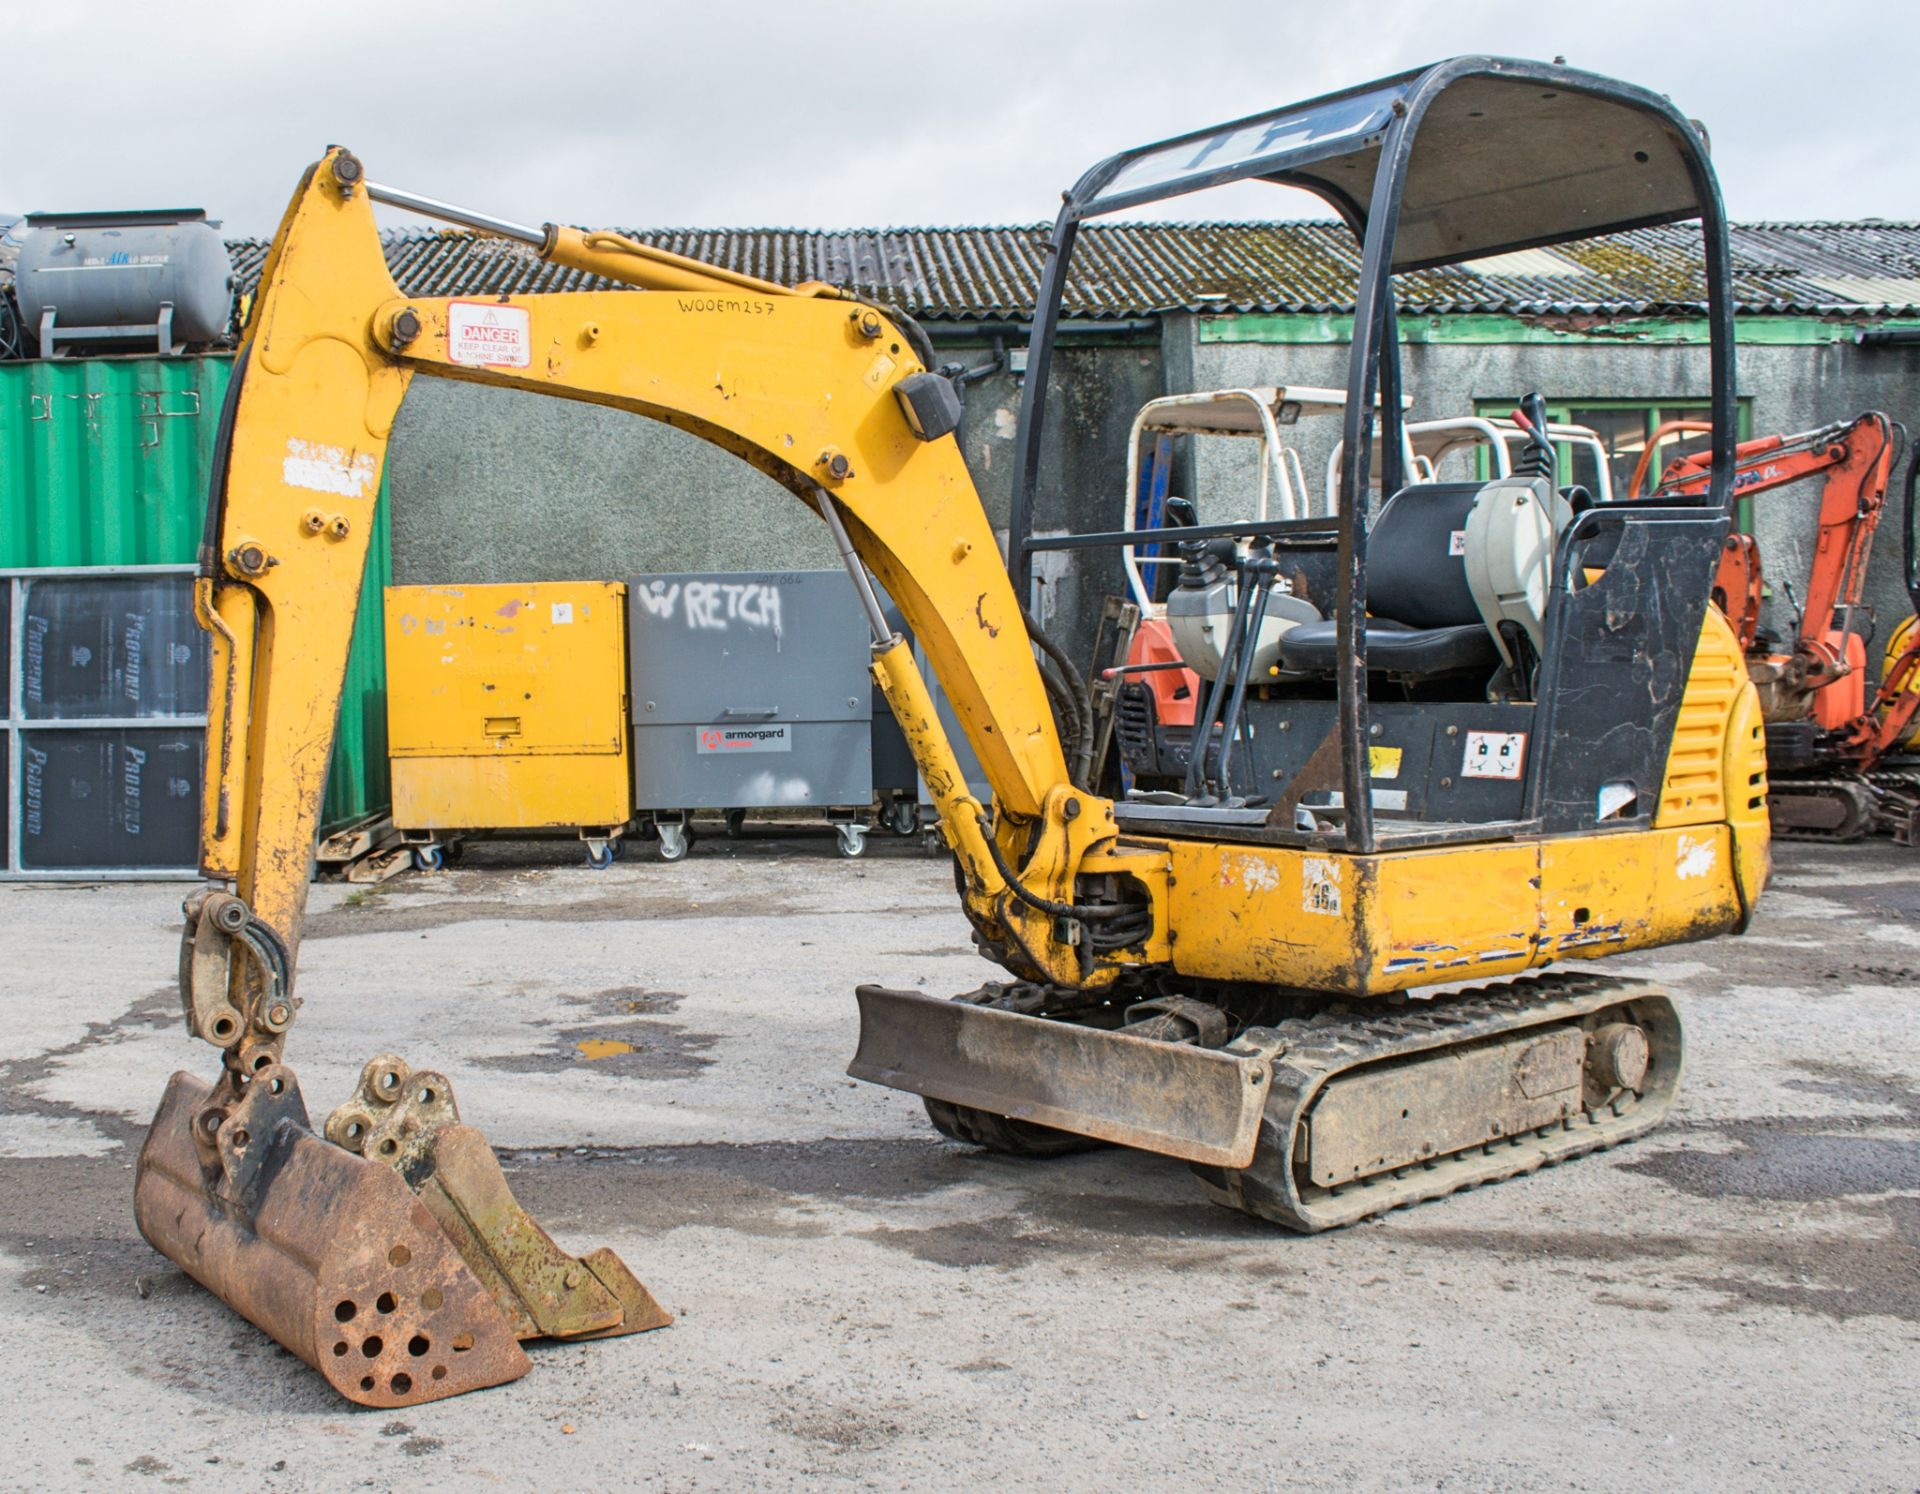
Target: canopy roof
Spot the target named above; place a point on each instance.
(1506, 155)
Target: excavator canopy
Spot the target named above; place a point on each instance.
(1465, 159)
(1504, 155)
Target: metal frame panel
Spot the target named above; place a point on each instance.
(14, 724)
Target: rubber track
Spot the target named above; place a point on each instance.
(1896, 805)
(1814, 788)
(1321, 1047)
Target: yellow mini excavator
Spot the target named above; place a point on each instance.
(1499, 729)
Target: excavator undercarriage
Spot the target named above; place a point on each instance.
(1313, 1121)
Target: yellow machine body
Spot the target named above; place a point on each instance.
(1368, 925)
(507, 706)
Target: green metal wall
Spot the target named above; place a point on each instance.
(105, 461)
(357, 779)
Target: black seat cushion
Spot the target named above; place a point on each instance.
(1394, 647)
(1416, 561)
(1424, 620)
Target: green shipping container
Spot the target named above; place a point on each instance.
(106, 461)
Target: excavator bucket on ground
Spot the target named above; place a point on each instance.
(395, 1261)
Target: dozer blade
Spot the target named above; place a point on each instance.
(1200, 1104)
(396, 1299)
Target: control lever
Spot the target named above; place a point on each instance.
(1257, 572)
(1538, 459)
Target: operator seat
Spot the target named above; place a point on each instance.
(1424, 620)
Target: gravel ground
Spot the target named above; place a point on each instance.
(1733, 1302)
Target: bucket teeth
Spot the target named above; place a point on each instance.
(399, 1286)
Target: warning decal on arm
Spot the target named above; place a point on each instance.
(485, 335)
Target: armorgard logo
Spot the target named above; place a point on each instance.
(745, 738)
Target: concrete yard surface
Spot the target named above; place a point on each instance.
(658, 1053)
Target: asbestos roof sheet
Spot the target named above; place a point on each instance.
(1138, 269)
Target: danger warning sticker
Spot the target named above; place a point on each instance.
(488, 336)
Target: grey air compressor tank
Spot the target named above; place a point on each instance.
(135, 281)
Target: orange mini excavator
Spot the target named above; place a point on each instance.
(1828, 733)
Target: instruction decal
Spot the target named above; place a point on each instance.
(1320, 885)
(1457, 542)
(1384, 762)
(320, 468)
(562, 614)
(482, 334)
(1494, 754)
(731, 739)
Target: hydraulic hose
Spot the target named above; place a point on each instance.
(1078, 912)
(1065, 710)
(1070, 677)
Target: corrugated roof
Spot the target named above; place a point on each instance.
(1136, 269)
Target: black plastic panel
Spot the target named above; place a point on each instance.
(112, 647)
(1418, 755)
(98, 800)
(1618, 655)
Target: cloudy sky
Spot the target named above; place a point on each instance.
(839, 114)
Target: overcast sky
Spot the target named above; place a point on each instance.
(834, 114)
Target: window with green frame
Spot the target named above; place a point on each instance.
(1624, 427)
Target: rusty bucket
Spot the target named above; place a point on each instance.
(400, 1285)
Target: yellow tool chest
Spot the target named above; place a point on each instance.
(507, 707)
